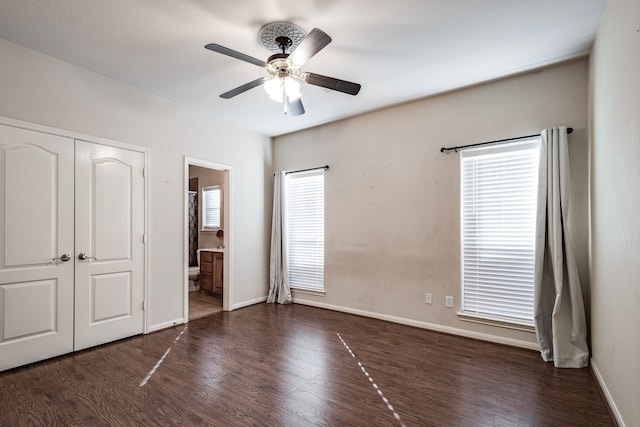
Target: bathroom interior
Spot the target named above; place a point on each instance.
(206, 240)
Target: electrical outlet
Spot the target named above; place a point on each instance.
(428, 298)
(448, 301)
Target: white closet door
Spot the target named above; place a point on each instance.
(36, 226)
(109, 290)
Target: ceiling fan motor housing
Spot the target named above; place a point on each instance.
(279, 66)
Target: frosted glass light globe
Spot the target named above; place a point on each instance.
(274, 86)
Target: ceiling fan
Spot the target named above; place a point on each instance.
(294, 48)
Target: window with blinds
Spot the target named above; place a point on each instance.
(305, 229)
(499, 193)
(211, 207)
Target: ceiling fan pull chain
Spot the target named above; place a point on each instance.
(284, 96)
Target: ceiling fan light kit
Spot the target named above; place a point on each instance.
(279, 87)
(294, 48)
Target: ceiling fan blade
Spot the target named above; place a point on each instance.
(234, 54)
(241, 89)
(295, 107)
(313, 43)
(331, 83)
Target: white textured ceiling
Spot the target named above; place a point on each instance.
(398, 50)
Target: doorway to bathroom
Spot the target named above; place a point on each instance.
(207, 255)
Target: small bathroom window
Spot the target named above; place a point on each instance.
(211, 207)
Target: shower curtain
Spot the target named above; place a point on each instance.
(193, 228)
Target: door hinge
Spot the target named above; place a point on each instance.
(144, 172)
(144, 239)
(144, 306)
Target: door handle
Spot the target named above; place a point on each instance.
(63, 257)
(83, 256)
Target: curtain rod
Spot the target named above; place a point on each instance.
(446, 150)
(325, 167)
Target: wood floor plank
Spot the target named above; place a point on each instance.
(203, 304)
(270, 365)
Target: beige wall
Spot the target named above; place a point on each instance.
(392, 199)
(37, 88)
(206, 178)
(615, 207)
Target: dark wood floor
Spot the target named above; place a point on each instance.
(269, 365)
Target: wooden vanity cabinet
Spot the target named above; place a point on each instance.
(218, 262)
(211, 272)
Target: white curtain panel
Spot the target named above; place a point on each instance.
(279, 290)
(558, 304)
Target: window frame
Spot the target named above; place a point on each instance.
(481, 315)
(309, 278)
(205, 209)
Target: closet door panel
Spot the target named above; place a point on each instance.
(112, 295)
(111, 204)
(30, 204)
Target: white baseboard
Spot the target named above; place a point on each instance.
(424, 325)
(607, 394)
(165, 325)
(248, 303)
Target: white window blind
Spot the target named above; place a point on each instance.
(305, 229)
(211, 207)
(499, 193)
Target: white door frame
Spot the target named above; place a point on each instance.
(89, 138)
(226, 226)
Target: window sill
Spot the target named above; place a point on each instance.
(466, 317)
(308, 292)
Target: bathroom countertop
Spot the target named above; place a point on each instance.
(211, 250)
